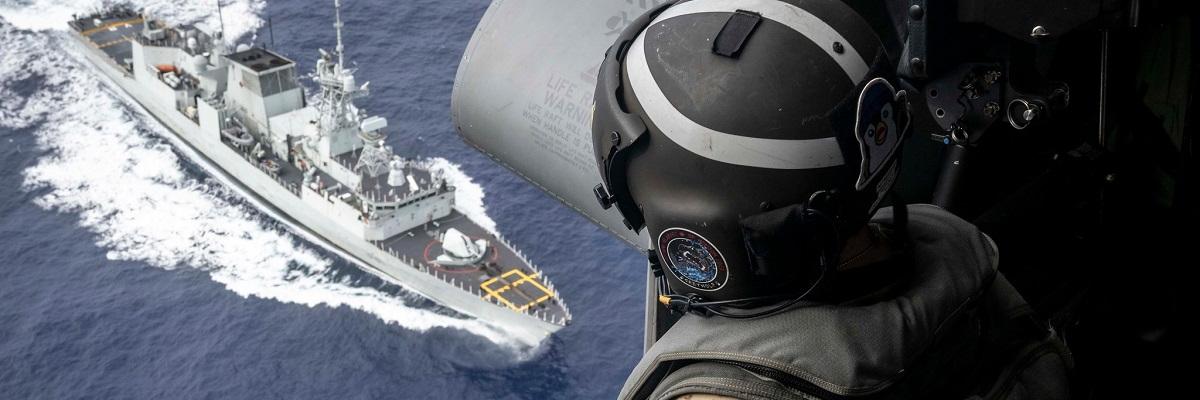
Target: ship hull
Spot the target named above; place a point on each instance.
(264, 189)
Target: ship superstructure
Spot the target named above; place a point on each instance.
(325, 165)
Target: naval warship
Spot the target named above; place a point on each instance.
(325, 166)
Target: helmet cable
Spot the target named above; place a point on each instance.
(694, 303)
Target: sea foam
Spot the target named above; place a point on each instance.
(240, 17)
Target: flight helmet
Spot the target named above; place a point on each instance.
(748, 137)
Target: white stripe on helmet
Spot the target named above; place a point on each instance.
(813, 28)
(720, 146)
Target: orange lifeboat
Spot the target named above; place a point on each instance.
(164, 68)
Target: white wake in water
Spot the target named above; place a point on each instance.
(240, 17)
(109, 165)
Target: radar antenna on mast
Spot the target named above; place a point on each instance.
(338, 86)
(339, 116)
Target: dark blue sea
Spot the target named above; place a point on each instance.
(128, 271)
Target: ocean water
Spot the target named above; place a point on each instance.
(128, 271)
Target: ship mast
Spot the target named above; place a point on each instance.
(336, 105)
(221, 21)
(338, 87)
(337, 12)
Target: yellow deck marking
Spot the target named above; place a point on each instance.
(523, 278)
(127, 22)
(114, 42)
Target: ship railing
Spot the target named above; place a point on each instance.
(533, 266)
(542, 277)
(290, 186)
(344, 163)
(400, 200)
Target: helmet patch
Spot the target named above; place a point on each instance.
(693, 259)
(880, 126)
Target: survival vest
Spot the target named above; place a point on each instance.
(957, 330)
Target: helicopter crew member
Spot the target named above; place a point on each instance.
(755, 141)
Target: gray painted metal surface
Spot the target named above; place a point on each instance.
(523, 94)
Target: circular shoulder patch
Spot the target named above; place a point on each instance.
(693, 259)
